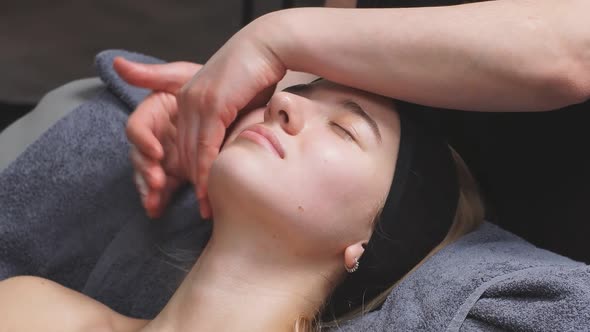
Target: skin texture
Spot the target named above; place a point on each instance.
(504, 55)
(316, 165)
(151, 130)
(532, 53)
(284, 228)
(157, 175)
(272, 215)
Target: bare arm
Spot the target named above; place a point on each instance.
(296, 77)
(503, 55)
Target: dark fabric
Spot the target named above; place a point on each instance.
(489, 280)
(130, 95)
(58, 209)
(532, 167)
(70, 213)
(415, 218)
(534, 171)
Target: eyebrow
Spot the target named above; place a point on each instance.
(348, 104)
(356, 109)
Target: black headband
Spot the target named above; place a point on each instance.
(416, 217)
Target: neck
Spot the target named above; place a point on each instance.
(244, 283)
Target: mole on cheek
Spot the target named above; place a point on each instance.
(300, 208)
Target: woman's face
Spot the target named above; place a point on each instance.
(323, 184)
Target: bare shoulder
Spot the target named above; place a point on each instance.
(36, 304)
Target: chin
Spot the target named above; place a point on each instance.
(249, 184)
(243, 179)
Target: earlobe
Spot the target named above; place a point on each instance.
(352, 254)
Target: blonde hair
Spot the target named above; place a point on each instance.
(468, 216)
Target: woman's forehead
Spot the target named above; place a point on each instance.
(323, 89)
(381, 109)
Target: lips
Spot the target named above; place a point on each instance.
(265, 137)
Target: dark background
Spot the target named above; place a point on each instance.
(533, 167)
(49, 43)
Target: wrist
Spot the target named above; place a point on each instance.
(283, 35)
(266, 35)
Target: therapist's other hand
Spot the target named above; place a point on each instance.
(151, 129)
(240, 75)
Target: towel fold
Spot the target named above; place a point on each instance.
(489, 280)
(70, 213)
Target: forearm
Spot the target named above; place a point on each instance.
(294, 78)
(297, 77)
(493, 56)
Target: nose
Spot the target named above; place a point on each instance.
(287, 109)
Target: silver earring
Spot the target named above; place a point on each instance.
(354, 268)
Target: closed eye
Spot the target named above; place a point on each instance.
(347, 134)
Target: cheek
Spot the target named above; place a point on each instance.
(322, 196)
(340, 186)
(337, 173)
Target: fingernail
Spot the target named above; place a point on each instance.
(141, 185)
(204, 212)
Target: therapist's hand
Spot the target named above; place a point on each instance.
(241, 75)
(151, 129)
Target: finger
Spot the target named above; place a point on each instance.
(180, 130)
(151, 171)
(149, 197)
(172, 163)
(150, 204)
(166, 77)
(192, 143)
(141, 185)
(187, 118)
(142, 126)
(205, 208)
(210, 136)
(161, 201)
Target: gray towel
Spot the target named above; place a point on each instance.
(70, 213)
(489, 280)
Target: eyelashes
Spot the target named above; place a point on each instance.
(345, 131)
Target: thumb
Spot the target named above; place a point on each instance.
(169, 77)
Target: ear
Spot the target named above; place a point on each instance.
(352, 253)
